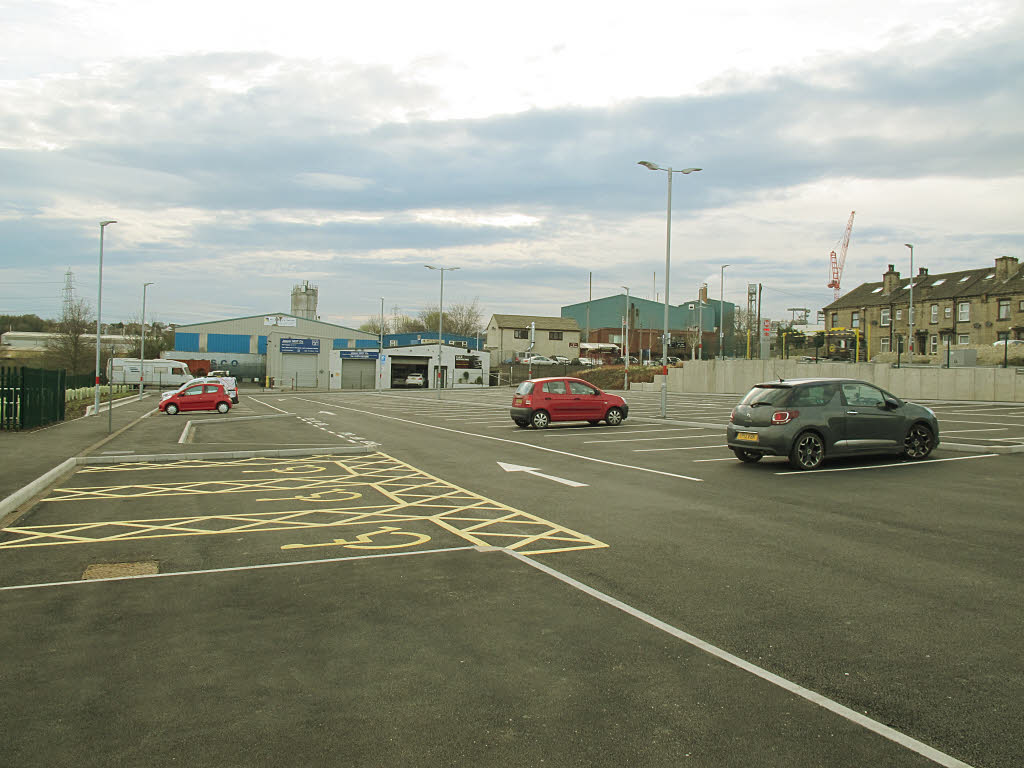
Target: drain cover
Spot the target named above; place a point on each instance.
(120, 570)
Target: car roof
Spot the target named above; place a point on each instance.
(798, 382)
(560, 378)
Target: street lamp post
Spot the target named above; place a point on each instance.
(380, 353)
(910, 318)
(721, 314)
(666, 334)
(99, 313)
(625, 367)
(142, 344)
(700, 320)
(440, 320)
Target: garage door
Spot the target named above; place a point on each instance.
(299, 371)
(358, 374)
(403, 365)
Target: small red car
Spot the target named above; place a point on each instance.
(542, 401)
(198, 397)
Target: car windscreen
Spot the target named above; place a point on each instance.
(766, 395)
(525, 388)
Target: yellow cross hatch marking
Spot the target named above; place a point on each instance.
(389, 492)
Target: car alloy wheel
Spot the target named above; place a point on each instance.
(222, 407)
(919, 442)
(171, 409)
(808, 451)
(614, 417)
(541, 419)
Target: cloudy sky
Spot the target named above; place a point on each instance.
(244, 147)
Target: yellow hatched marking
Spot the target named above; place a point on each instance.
(406, 494)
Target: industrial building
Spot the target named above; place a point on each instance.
(602, 320)
(294, 350)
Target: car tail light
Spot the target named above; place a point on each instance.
(784, 417)
(732, 416)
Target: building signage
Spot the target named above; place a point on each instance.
(357, 354)
(468, 361)
(279, 320)
(301, 346)
(766, 328)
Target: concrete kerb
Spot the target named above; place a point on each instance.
(191, 424)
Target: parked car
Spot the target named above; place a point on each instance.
(538, 360)
(538, 402)
(622, 361)
(1011, 342)
(198, 397)
(228, 382)
(811, 420)
(415, 380)
(561, 360)
(588, 361)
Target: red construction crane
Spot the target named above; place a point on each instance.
(839, 262)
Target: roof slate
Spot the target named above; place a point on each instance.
(964, 284)
(543, 323)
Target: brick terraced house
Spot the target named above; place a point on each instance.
(969, 307)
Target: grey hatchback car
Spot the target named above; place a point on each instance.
(809, 420)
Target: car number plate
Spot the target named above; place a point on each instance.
(748, 436)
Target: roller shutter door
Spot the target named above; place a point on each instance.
(299, 371)
(358, 374)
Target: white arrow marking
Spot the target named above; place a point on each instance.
(329, 413)
(533, 471)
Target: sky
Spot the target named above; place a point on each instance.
(246, 147)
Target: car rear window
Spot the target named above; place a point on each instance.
(768, 394)
(525, 388)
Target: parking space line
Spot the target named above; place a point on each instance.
(515, 442)
(618, 431)
(727, 458)
(688, 448)
(648, 439)
(908, 742)
(982, 429)
(923, 463)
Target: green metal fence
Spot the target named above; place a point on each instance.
(30, 397)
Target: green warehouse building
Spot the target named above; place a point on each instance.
(601, 321)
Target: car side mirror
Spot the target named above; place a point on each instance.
(888, 404)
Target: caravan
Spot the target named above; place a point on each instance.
(162, 373)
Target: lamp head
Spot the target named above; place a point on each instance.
(691, 170)
(109, 221)
(910, 246)
(652, 166)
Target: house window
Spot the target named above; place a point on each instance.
(935, 313)
(885, 344)
(1004, 309)
(948, 312)
(522, 333)
(899, 314)
(933, 342)
(554, 335)
(885, 317)
(963, 313)
(1020, 306)
(963, 338)
(835, 319)
(855, 320)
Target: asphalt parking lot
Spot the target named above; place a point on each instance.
(425, 583)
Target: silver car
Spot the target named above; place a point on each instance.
(810, 420)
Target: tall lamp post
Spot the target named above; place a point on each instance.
(440, 319)
(142, 345)
(625, 378)
(721, 313)
(700, 320)
(99, 313)
(910, 318)
(666, 334)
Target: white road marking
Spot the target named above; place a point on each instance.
(924, 463)
(805, 693)
(515, 442)
(688, 448)
(649, 439)
(533, 471)
(991, 429)
(728, 458)
(279, 410)
(618, 431)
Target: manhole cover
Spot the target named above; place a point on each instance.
(119, 570)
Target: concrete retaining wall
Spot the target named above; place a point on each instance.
(737, 376)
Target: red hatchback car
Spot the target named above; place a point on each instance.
(542, 401)
(198, 397)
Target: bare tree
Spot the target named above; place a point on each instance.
(373, 326)
(459, 319)
(70, 347)
(406, 324)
